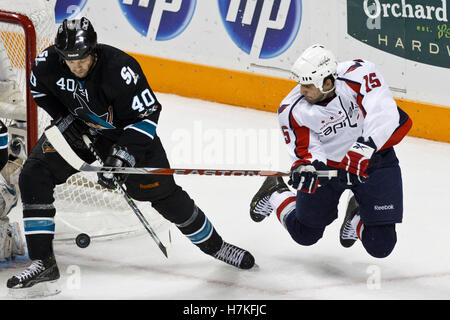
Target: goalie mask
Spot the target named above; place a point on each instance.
(314, 65)
(76, 39)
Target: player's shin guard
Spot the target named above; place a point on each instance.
(39, 226)
(181, 210)
(36, 190)
(202, 233)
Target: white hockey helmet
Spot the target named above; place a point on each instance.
(314, 65)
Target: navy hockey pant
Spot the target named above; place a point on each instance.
(381, 206)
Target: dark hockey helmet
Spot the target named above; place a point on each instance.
(76, 39)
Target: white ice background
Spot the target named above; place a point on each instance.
(200, 134)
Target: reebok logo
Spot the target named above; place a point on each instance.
(383, 208)
(360, 146)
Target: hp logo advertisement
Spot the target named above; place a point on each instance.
(158, 19)
(263, 29)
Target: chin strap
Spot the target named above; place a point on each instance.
(327, 93)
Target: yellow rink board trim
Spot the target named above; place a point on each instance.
(265, 93)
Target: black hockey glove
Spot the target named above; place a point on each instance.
(304, 176)
(118, 157)
(73, 130)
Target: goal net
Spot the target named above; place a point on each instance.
(26, 28)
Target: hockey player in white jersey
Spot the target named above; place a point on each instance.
(340, 116)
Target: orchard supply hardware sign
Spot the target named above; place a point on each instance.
(417, 30)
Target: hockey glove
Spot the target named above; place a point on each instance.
(357, 159)
(73, 130)
(118, 157)
(304, 176)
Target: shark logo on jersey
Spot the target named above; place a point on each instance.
(68, 9)
(262, 28)
(158, 19)
(93, 120)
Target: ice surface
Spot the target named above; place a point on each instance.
(200, 134)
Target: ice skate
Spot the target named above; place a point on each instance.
(235, 256)
(347, 234)
(18, 243)
(260, 206)
(39, 279)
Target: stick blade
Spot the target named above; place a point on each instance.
(57, 140)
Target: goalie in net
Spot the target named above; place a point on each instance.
(100, 91)
(11, 241)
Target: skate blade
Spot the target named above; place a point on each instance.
(42, 289)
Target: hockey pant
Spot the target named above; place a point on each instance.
(45, 168)
(380, 198)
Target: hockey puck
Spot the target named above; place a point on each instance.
(82, 240)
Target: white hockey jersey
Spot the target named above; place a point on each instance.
(363, 106)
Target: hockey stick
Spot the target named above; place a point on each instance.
(128, 199)
(57, 140)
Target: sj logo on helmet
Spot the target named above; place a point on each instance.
(158, 19)
(262, 28)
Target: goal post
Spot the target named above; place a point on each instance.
(26, 28)
(21, 48)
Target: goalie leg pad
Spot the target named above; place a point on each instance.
(11, 241)
(8, 199)
(18, 245)
(5, 240)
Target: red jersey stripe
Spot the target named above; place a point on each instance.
(398, 134)
(357, 88)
